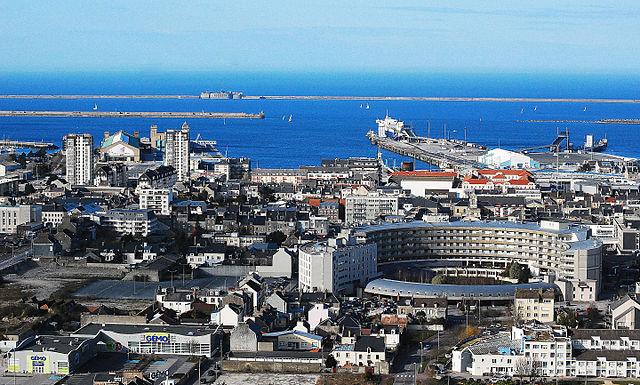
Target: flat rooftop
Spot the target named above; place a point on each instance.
(94, 328)
(507, 225)
(390, 287)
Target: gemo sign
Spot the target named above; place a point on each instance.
(38, 360)
(156, 337)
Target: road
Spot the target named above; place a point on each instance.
(18, 257)
(405, 378)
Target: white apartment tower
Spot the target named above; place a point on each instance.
(337, 265)
(79, 156)
(176, 151)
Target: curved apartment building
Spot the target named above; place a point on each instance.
(558, 252)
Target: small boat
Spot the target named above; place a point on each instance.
(95, 107)
(284, 117)
(522, 111)
(367, 107)
(290, 118)
(360, 105)
(535, 108)
(585, 109)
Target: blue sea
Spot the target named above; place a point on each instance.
(331, 129)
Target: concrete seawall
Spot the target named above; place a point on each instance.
(336, 97)
(134, 114)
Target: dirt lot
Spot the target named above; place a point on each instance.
(43, 280)
(354, 379)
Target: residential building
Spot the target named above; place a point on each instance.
(78, 151)
(337, 265)
(229, 315)
(111, 174)
(625, 313)
(362, 206)
(295, 340)
(532, 348)
(535, 305)
(176, 152)
(162, 177)
(367, 351)
(429, 308)
(13, 216)
(130, 221)
(156, 199)
(294, 176)
(562, 253)
(243, 339)
(180, 301)
(209, 255)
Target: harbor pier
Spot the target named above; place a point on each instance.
(27, 144)
(135, 114)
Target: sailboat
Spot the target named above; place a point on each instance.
(367, 107)
(284, 117)
(535, 108)
(522, 110)
(290, 118)
(360, 105)
(585, 109)
(95, 107)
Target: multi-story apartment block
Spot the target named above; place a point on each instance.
(157, 200)
(364, 207)
(158, 178)
(133, 222)
(13, 216)
(535, 305)
(176, 152)
(336, 265)
(565, 254)
(78, 149)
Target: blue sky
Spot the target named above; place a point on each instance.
(370, 36)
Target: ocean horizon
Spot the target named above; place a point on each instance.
(530, 85)
(329, 129)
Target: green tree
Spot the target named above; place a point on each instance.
(568, 318)
(594, 317)
(525, 274)
(276, 237)
(439, 279)
(330, 362)
(29, 189)
(266, 193)
(515, 270)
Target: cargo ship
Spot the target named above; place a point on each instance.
(599, 146)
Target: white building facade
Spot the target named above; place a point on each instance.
(336, 265)
(177, 151)
(78, 150)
